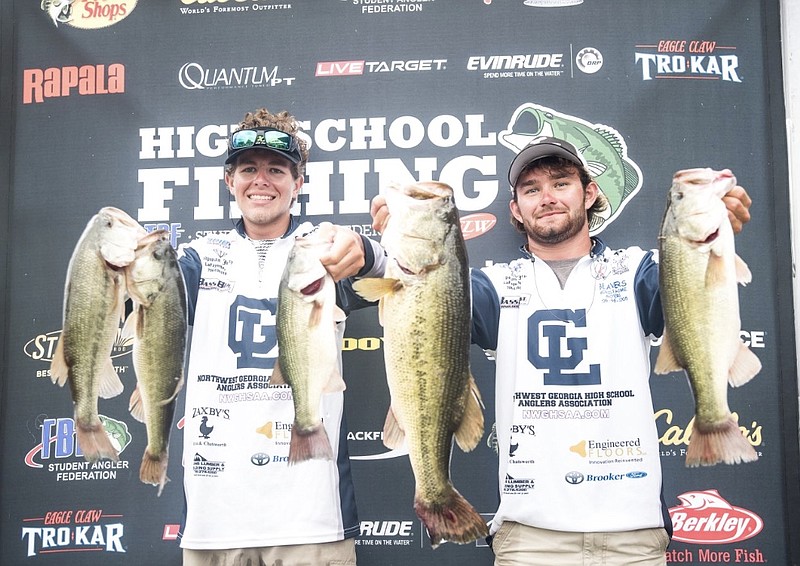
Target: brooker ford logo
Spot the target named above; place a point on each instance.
(706, 518)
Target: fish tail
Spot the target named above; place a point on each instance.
(94, 442)
(309, 445)
(153, 470)
(59, 372)
(453, 520)
(721, 443)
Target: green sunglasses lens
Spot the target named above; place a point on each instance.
(278, 140)
(244, 138)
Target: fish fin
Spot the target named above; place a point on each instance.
(93, 441)
(153, 470)
(338, 314)
(110, 384)
(721, 443)
(277, 376)
(131, 324)
(315, 316)
(470, 431)
(596, 168)
(59, 371)
(136, 405)
(743, 275)
(451, 518)
(393, 434)
(373, 288)
(745, 366)
(715, 271)
(335, 383)
(666, 362)
(309, 445)
(380, 313)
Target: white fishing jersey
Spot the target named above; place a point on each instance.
(578, 443)
(240, 490)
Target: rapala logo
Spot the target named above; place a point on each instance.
(474, 225)
(38, 84)
(706, 518)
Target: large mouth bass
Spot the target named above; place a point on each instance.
(308, 347)
(699, 272)
(158, 325)
(94, 305)
(425, 311)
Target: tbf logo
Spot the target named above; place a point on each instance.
(251, 334)
(550, 327)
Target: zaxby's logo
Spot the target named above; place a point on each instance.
(54, 82)
(706, 518)
(88, 14)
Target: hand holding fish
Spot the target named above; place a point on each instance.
(346, 254)
(380, 213)
(738, 202)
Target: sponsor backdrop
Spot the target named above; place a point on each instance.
(126, 103)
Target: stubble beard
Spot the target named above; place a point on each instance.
(571, 226)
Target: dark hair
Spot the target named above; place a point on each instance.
(263, 118)
(555, 164)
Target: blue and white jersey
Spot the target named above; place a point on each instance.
(240, 490)
(577, 440)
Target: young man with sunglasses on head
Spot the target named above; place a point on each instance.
(244, 503)
(571, 316)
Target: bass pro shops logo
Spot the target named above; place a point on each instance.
(87, 14)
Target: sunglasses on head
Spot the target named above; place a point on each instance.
(269, 137)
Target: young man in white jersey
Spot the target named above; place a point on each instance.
(569, 321)
(244, 504)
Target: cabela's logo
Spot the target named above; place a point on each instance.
(705, 517)
(601, 146)
(88, 14)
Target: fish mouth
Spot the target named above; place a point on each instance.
(404, 269)
(313, 287)
(711, 237)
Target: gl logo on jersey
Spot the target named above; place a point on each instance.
(251, 332)
(557, 365)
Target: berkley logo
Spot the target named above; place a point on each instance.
(88, 14)
(474, 225)
(706, 518)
